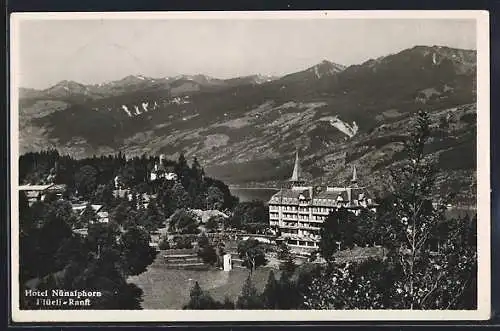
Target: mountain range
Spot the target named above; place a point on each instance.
(245, 130)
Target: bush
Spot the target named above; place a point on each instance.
(183, 242)
(164, 244)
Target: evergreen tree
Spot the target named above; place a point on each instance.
(198, 299)
(120, 214)
(284, 254)
(271, 293)
(227, 304)
(86, 181)
(180, 196)
(206, 250)
(249, 298)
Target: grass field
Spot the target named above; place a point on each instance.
(166, 288)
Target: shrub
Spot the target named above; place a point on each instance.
(164, 244)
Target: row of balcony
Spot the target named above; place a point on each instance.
(299, 226)
(319, 219)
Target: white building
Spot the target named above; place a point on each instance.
(161, 171)
(299, 211)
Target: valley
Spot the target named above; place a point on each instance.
(245, 130)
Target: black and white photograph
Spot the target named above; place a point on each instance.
(250, 164)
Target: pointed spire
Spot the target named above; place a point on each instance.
(297, 172)
(354, 179)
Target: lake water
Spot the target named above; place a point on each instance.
(249, 194)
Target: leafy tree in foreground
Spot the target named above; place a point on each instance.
(431, 262)
(253, 254)
(351, 286)
(415, 220)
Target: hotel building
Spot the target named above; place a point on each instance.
(299, 210)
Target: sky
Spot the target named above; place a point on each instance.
(97, 51)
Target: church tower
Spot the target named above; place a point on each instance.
(354, 179)
(296, 179)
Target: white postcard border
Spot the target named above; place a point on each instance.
(483, 181)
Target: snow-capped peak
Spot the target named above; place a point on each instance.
(326, 68)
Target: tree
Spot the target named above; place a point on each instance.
(102, 235)
(429, 280)
(183, 242)
(249, 298)
(54, 231)
(227, 304)
(271, 293)
(252, 253)
(153, 217)
(213, 223)
(104, 195)
(250, 212)
(88, 216)
(199, 299)
(123, 214)
(180, 196)
(337, 228)
(206, 250)
(284, 254)
(355, 285)
(183, 222)
(414, 220)
(25, 215)
(86, 181)
(164, 244)
(288, 295)
(166, 199)
(136, 251)
(215, 198)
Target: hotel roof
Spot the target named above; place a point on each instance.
(34, 187)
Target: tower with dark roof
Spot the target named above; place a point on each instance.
(354, 179)
(296, 179)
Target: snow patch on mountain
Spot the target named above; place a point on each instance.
(125, 109)
(316, 72)
(348, 129)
